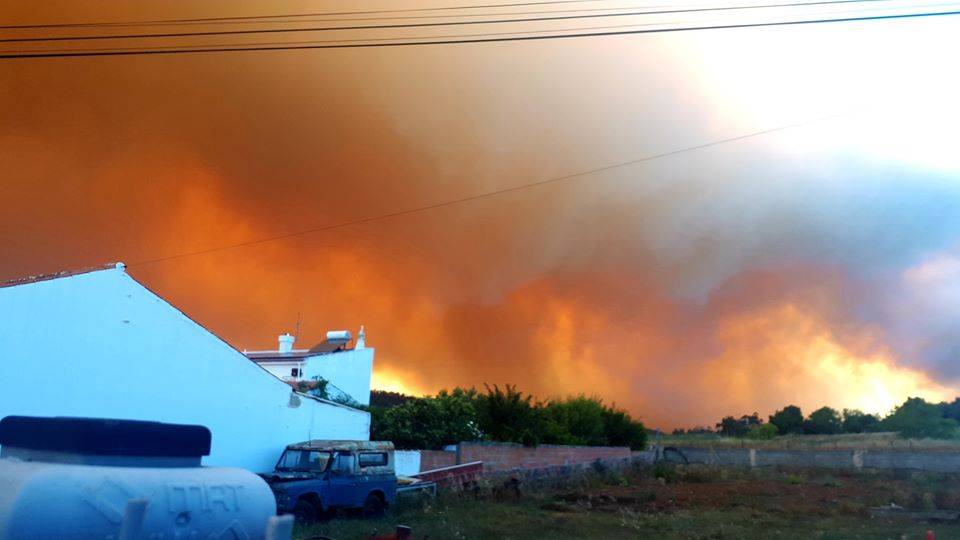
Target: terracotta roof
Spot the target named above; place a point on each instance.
(55, 275)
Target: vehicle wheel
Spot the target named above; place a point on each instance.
(373, 506)
(305, 512)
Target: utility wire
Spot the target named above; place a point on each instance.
(206, 20)
(387, 40)
(404, 17)
(441, 40)
(430, 24)
(486, 195)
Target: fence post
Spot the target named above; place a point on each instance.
(858, 459)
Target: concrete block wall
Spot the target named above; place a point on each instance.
(509, 456)
(436, 459)
(559, 474)
(933, 461)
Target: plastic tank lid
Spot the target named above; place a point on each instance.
(104, 436)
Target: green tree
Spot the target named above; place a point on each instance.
(428, 423)
(950, 410)
(577, 420)
(738, 427)
(622, 430)
(384, 398)
(856, 421)
(788, 420)
(916, 418)
(823, 421)
(508, 415)
(505, 415)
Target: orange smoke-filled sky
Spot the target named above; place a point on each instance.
(814, 265)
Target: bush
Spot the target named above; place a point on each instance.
(762, 432)
(666, 471)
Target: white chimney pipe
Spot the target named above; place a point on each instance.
(286, 342)
(361, 339)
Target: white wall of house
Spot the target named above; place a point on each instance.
(100, 344)
(406, 462)
(349, 370)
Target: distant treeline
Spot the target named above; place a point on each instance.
(915, 418)
(499, 414)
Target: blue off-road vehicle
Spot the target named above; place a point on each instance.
(313, 478)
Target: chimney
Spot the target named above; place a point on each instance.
(361, 339)
(286, 342)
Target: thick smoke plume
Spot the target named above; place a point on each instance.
(815, 265)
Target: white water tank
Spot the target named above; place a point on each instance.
(337, 336)
(73, 478)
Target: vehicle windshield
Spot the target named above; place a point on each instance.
(303, 460)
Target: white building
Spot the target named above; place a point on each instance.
(346, 368)
(100, 344)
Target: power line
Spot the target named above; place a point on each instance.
(485, 195)
(387, 40)
(444, 16)
(481, 38)
(207, 20)
(429, 24)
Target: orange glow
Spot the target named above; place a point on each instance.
(786, 356)
(683, 288)
(388, 380)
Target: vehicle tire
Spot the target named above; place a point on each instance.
(373, 506)
(305, 512)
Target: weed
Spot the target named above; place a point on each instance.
(795, 479)
(665, 471)
(701, 474)
(831, 481)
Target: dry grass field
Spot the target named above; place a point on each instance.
(692, 502)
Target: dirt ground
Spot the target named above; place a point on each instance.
(684, 503)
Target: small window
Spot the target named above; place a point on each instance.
(295, 372)
(378, 459)
(343, 463)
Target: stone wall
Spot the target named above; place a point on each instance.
(934, 461)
